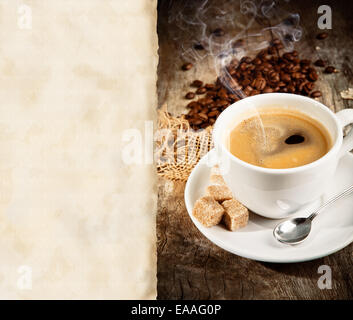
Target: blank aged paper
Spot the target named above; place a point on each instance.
(76, 221)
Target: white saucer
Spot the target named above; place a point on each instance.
(332, 229)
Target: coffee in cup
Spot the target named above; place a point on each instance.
(279, 139)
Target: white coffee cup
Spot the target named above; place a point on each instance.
(276, 193)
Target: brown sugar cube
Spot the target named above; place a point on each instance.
(219, 192)
(236, 215)
(208, 211)
(217, 179)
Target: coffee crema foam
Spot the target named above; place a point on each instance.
(279, 139)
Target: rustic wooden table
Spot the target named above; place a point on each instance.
(189, 265)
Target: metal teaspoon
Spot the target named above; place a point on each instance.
(296, 230)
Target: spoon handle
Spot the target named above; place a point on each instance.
(339, 196)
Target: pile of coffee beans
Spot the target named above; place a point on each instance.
(322, 36)
(268, 72)
(204, 111)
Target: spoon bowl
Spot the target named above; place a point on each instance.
(293, 231)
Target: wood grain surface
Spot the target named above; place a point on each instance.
(189, 265)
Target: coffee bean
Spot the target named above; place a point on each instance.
(257, 61)
(209, 86)
(260, 83)
(213, 113)
(316, 94)
(261, 54)
(190, 95)
(271, 50)
(322, 36)
(300, 86)
(205, 101)
(330, 69)
(297, 75)
(254, 92)
(201, 90)
(267, 65)
(211, 94)
(238, 43)
(296, 68)
(246, 59)
(267, 90)
(276, 42)
(203, 116)
(191, 113)
(288, 56)
(222, 93)
(198, 46)
(242, 66)
(308, 87)
(193, 104)
(245, 82)
(305, 62)
(248, 90)
(221, 103)
(319, 63)
(204, 110)
(219, 32)
(285, 77)
(291, 88)
(197, 83)
(209, 102)
(312, 76)
(304, 69)
(186, 66)
(274, 76)
(195, 121)
(232, 96)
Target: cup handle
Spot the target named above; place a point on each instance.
(345, 117)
